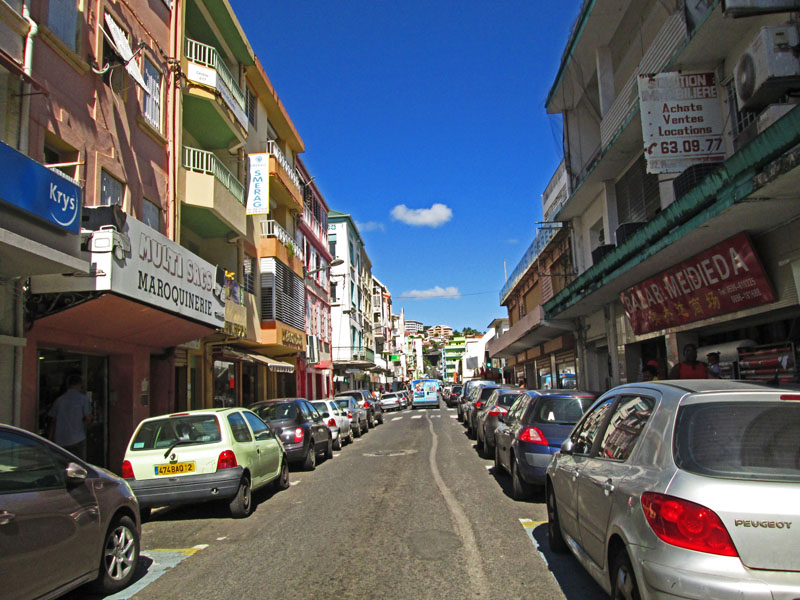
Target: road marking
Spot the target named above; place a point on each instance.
(474, 563)
(529, 525)
(453, 416)
(397, 419)
(489, 467)
(163, 561)
(417, 417)
(294, 482)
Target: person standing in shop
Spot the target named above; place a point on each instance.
(714, 371)
(69, 417)
(689, 367)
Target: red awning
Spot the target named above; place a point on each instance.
(323, 364)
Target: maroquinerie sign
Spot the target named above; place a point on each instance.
(723, 279)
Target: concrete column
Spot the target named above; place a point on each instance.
(605, 78)
(610, 217)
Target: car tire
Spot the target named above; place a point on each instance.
(350, 438)
(459, 416)
(329, 450)
(487, 449)
(144, 513)
(554, 534)
(282, 482)
(337, 443)
(520, 490)
(498, 467)
(357, 432)
(310, 462)
(371, 421)
(241, 505)
(623, 579)
(380, 419)
(367, 425)
(119, 558)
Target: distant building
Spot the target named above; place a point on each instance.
(413, 326)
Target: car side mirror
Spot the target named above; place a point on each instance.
(76, 473)
(567, 447)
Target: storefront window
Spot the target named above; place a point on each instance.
(566, 376)
(225, 384)
(545, 379)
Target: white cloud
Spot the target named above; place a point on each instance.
(435, 216)
(371, 226)
(434, 292)
(512, 241)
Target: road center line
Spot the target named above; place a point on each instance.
(474, 565)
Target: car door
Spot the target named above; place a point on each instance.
(49, 526)
(606, 467)
(266, 445)
(319, 430)
(247, 452)
(567, 465)
(506, 434)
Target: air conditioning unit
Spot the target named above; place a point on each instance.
(749, 8)
(768, 68)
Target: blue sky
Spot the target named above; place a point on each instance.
(425, 121)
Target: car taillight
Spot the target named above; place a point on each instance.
(331, 422)
(366, 404)
(349, 414)
(498, 411)
(127, 470)
(298, 435)
(478, 404)
(686, 524)
(227, 460)
(533, 435)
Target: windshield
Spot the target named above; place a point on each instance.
(486, 392)
(277, 411)
(561, 410)
(321, 407)
(740, 440)
(507, 399)
(343, 404)
(187, 429)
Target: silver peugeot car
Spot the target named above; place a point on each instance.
(683, 489)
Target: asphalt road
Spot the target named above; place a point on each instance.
(410, 510)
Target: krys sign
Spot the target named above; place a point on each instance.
(723, 279)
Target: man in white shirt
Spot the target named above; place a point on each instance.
(70, 414)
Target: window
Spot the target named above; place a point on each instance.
(151, 214)
(151, 98)
(251, 107)
(584, 434)
(333, 293)
(114, 75)
(626, 426)
(743, 118)
(111, 190)
(27, 465)
(249, 274)
(260, 429)
(63, 18)
(58, 152)
(638, 198)
(239, 428)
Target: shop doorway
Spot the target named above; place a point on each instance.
(54, 368)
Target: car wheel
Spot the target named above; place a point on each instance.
(497, 465)
(554, 535)
(119, 558)
(459, 416)
(357, 432)
(337, 443)
(310, 463)
(282, 482)
(367, 424)
(144, 513)
(371, 421)
(623, 580)
(329, 450)
(520, 490)
(487, 449)
(380, 419)
(242, 503)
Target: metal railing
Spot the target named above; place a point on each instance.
(206, 162)
(206, 55)
(275, 150)
(534, 250)
(271, 228)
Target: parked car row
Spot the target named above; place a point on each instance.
(679, 489)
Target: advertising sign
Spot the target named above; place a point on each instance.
(681, 120)
(258, 189)
(723, 279)
(39, 191)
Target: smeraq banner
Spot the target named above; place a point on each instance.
(258, 190)
(39, 191)
(725, 278)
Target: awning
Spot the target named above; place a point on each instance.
(274, 365)
(323, 364)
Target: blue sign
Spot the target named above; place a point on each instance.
(36, 189)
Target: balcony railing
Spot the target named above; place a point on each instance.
(275, 150)
(534, 250)
(206, 162)
(271, 228)
(208, 56)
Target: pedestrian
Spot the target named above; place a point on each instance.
(69, 416)
(650, 371)
(689, 367)
(714, 369)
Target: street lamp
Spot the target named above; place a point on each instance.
(333, 263)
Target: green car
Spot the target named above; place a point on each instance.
(202, 455)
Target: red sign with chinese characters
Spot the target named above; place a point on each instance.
(723, 279)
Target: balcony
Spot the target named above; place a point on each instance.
(287, 184)
(530, 330)
(211, 189)
(214, 104)
(272, 229)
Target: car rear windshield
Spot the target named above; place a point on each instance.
(561, 410)
(278, 411)
(508, 399)
(486, 392)
(456, 389)
(343, 403)
(186, 429)
(739, 440)
(389, 396)
(321, 407)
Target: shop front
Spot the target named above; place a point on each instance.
(121, 327)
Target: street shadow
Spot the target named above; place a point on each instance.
(84, 593)
(572, 578)
(214, 510)
(503, 479)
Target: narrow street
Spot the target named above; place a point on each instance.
(408, 511)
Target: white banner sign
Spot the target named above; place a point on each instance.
(258, 190)
(681, 120)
